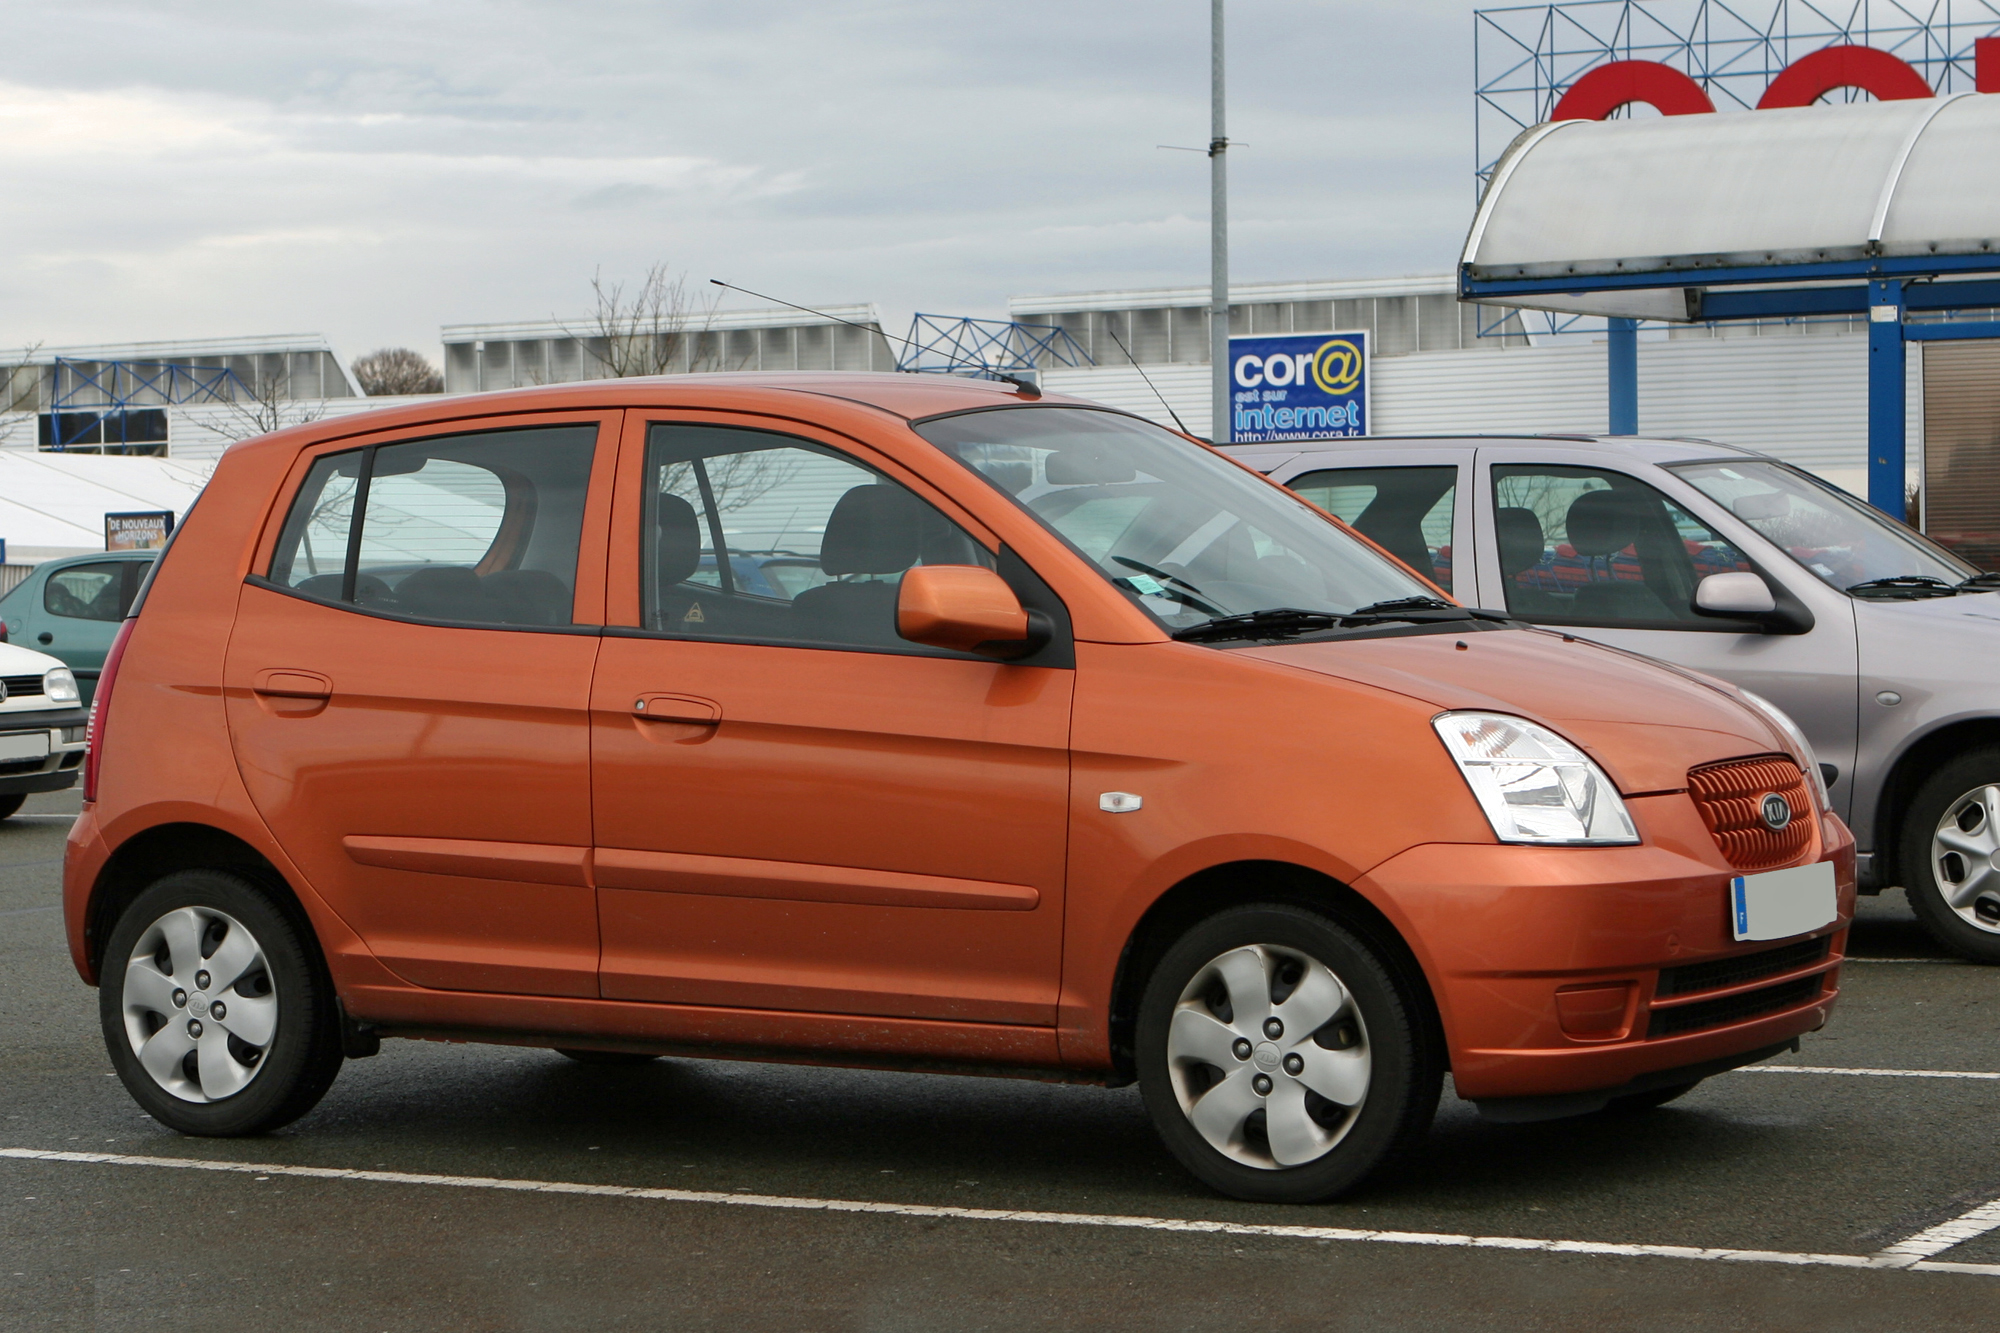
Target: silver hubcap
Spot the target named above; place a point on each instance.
(200, 1010)
(1269, 1056)
(1965, 857)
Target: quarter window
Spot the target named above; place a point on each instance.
(1580, 546)
(763, 538)
(1405, 510)
(472, 529)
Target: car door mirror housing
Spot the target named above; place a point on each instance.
(1744, 595)
(966, 608)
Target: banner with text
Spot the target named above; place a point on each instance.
(1303, 386)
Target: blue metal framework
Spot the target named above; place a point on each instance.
(950, 344)
(1525, 57)
(85, 394)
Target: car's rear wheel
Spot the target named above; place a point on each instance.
(10, 802)
(1281, 1058)
(215, 1007)
(1951, 855)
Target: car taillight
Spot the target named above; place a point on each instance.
(100, 709)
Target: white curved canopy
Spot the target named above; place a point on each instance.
(1682, 194)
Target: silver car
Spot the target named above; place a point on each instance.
(1882, 645)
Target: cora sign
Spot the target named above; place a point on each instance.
(1622, 82)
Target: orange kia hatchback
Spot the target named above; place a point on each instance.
(911, 722)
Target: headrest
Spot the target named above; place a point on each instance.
(1604, 522)
(873, 529)
(676, 540)
(1522, 542)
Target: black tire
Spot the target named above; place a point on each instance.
(606, 1057)
(1405, 1068)
(1940, 792)
(1632, 1103)
(301, 1056)
(10, 802)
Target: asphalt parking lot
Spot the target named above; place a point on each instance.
(714, 1195)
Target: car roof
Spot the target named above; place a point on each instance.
(1648, 448)
(903, 395)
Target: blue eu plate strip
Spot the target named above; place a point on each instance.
(1741, 902)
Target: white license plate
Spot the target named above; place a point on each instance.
(24, 745)
(1781, 903)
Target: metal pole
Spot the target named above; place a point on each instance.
(1623, 351)
(1218, 261)
(1886, 375)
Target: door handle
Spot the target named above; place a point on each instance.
(284, 683)
(677, 708)
(45, 637)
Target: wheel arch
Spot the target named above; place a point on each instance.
(1906, 775)
(148, 856)
(1215, 888)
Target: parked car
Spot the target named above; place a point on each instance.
(457, 719)
(1880, 643)
(71, 608)
(41, 726)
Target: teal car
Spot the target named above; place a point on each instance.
(71, 609)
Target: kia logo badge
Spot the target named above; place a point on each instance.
(1777, 812)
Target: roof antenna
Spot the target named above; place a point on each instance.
(1112, 329)
(1028, 388)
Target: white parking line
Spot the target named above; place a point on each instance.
(1863, 1073)
(1896, 1257)
(1935, 1240)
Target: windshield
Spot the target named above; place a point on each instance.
(1827, 530)
(1187, 535)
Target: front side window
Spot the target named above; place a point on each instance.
(1585, 546)
(1405, 510)
(762, 538)
(1183, 532)
(472, 529)
(101, 590)
(1841, 540)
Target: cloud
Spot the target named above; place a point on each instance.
(374, 170)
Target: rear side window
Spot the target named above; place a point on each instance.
(101, 590)
(1405, 510)
(478, 529)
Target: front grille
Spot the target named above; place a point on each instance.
(1721, 972)
(22, 684)
(1730, 797)
(1733, 1008)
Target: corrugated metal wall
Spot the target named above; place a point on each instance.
(1962, 448)
(1803, 399)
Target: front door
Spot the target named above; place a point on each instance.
(796, 809)
(407, 689)
(1599, 553)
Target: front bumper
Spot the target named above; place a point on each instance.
(62, 730)
(1505, 928)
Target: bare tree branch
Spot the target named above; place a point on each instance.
(655, 329)
(261, 404)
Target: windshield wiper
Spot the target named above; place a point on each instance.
(1903, 587)
(1281, 622)
(1988, 582)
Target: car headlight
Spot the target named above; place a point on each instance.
(1802, 749)
(59, 686)
(1534, 786)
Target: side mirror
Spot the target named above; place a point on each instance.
(1734, 595)
(1746, 596)
(966, 608)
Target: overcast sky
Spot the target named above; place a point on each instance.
(372, 169)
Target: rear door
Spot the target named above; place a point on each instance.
(408, 686)
(1416, 503)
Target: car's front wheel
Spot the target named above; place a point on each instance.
(1951, 855)
(216, 1011)
(1281, 1058)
